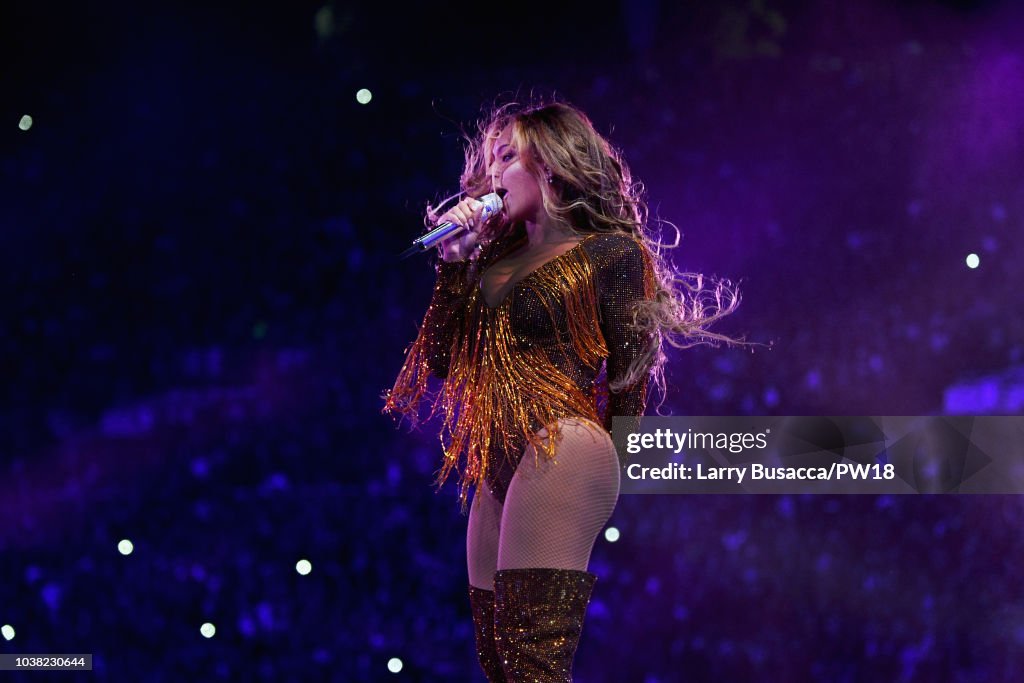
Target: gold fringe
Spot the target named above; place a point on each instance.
(496, 392)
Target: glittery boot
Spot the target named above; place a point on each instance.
(482, 603)
(538, 619)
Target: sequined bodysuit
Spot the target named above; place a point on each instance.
(511, 370)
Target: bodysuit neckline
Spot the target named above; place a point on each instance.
(512, 289)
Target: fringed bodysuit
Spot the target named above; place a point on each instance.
(512, 370)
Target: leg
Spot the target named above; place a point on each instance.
(482, 561)
(552, 515)
(554, 510)
(482, 534)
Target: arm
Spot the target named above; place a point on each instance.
(430, 353)
(624, 277)
(444, 316)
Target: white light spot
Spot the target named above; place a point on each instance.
(125, 547)
(208, 630)
(973, 260)
(611, 534)
(394, 665)
(364, 96)
(303, 567)
(25, 123)
(7, 631)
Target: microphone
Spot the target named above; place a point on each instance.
(447, 230)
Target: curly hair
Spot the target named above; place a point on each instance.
(587, 187)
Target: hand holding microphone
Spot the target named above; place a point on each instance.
(462, 229)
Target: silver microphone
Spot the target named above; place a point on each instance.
(492, 205)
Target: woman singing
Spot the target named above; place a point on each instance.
(546, 320)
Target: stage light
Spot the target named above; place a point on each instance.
(303, 567)
(125, 547)
(394, 665)
(364, 96)
(973, 261)
(8, 631)
(611, 534)
(208, 630)
(25, 123)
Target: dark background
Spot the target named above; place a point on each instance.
(201, 307)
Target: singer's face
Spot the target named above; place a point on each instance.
(522, 200)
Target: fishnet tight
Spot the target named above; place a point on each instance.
(553, 511)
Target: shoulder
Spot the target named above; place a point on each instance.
(615, 249)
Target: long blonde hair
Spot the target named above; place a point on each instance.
(587, 187)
